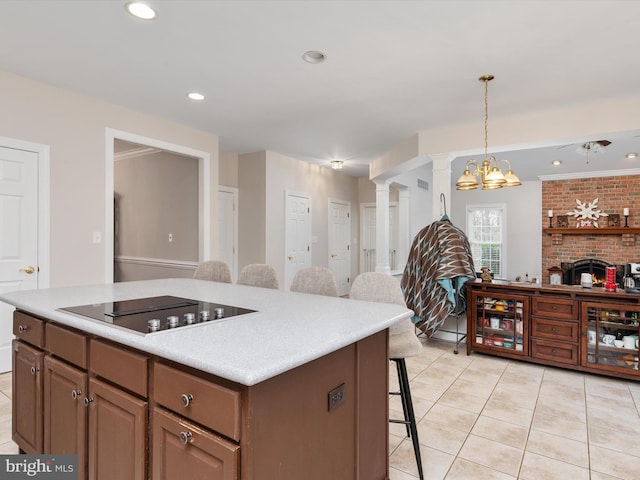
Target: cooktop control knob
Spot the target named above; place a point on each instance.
(204, 316)
(219, 312)
(173, 321)
(189, 318)
(154, 324)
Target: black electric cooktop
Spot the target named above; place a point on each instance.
(155, 314)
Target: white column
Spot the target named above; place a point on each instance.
(382, 227)
(404, 226)
(441, 182)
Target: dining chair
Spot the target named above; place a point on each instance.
(259, 275)
(213, 270)
(315, 280)
(403, 343)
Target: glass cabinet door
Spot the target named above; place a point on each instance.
(611, 339)
(500, 322)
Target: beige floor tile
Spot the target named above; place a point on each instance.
(473, 387)
(451, 417)
(539, 467)
(395, 474)
(558, 448)
(465, 470)
(606, 387)
(615, 439)
(429, 389)
(623, 402)
(567, 408)
(514, 397)
(492, 454)
(555, 390)
(440, 437)
(620, 419)
(603, 476)
(525, 385)
(508, 412)
(435, 463)
(480, 376)
(8, 448)
(614, 463)
(460, 397)
(394, 441)
(560, 426)
(5, 431)
(560, 376)
(502, 432)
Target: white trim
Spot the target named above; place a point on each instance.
(157, 262)
(204, 184)
(135, 153)
(606, 173)
(44, 202)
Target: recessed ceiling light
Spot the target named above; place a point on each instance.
(195, 96)
(314, 56)
(141, 10)
(631, 155)
(556, 162)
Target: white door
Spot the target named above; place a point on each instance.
(297, 235)
(227, 228)
(18, 235)
(368, 237)
(339, 244)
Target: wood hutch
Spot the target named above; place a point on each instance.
(565, 326)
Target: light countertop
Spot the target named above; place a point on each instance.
(288, 329)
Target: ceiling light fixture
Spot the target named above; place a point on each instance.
(491, 175)
(141, 10)
(631, 155)
(314, 56)
(556, 162)
(195, 96)
(336, 164)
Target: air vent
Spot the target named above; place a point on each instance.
(423, 184)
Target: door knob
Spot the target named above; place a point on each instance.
(29, 270)
(333, 255)
(291, 257)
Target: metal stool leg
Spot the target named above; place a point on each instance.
(407, 404)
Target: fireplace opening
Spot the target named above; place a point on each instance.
(597, 268)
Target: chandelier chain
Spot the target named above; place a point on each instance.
(486, 116)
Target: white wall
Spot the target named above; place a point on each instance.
(524, 231)
(74, 127)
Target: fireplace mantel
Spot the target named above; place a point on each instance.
(628, 234)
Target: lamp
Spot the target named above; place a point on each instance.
(489, 171)
(336, 164)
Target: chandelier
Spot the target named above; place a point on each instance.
(489, 171)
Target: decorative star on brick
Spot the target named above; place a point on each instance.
(587, 214)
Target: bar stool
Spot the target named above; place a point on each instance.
(403, 343)
(315, 280)
(259, 275)
(214, 271)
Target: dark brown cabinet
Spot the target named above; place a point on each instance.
(65, 424)
(182, 449)
(27, 397)
(568, 326)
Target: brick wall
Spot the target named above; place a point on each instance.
(613, 194)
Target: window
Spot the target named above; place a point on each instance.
(485, 230)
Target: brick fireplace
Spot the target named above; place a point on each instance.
(613, 194)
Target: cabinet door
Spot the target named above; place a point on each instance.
(183, 450)
(610, 337)
(27, 397)
(499, 323)
(117, 434)
(65, 417)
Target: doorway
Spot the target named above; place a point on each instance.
(204, 196)
(339, 244)
(24, 250)
(228, 228)
(297, 234)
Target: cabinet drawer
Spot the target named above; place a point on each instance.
(555, 308)
(555, 351)
(122, 367)
(202, 401)
(65, 344)
(29, 329)
(183, 450)
(554, 329)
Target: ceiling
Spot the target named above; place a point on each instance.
(393, 68)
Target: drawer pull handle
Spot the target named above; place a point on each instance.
(87, 401)
(554, 308)
(553, 351)
(35, 370)
(185, 437)
(554, 329)
(75, 394)
(23, 328)
(186, 399)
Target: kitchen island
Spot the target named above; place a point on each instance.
(296, 389)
